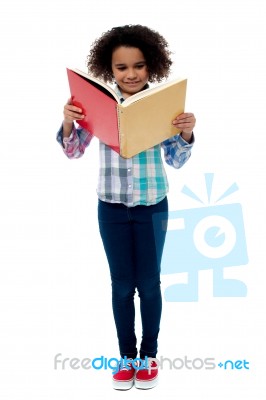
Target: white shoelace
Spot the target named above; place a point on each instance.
(128, 364)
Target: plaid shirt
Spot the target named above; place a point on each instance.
(139, 180)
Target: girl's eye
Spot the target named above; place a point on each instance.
(140, 66)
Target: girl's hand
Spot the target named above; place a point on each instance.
(186, 122)
(72, 113)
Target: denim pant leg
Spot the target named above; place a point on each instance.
(148, 254)
(134, 260)
(117, 236)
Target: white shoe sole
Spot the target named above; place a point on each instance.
(123, 385)
(146, 384)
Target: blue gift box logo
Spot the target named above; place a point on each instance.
(209, 237)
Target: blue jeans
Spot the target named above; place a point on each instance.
(134, 260)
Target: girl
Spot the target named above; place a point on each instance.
(130, 191)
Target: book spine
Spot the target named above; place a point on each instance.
(122, 138)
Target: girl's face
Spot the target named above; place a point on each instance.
(129, 69)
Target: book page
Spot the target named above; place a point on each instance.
(150, 91)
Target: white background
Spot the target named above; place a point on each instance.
(55, 287)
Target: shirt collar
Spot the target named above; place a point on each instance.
(118, 91)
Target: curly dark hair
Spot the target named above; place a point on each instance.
(153, 46)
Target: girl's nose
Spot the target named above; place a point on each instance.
(131, 73)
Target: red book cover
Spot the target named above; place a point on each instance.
(99, 108)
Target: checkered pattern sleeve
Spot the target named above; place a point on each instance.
(75, 145)
(177, 151)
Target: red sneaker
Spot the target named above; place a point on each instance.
(147, 378)
(124, 378)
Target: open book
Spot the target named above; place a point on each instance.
(142, 121)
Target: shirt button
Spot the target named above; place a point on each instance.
(129, 169)
(129, 185)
